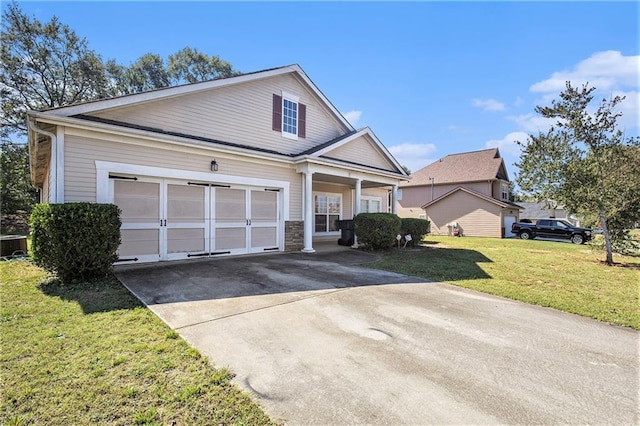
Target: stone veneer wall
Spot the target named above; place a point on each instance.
(293, 235)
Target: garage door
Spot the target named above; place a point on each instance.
(508, 221)
(165, 219)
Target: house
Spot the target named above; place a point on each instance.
(251, 163)
(544, 209)
(469, 190)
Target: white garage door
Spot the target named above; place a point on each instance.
(508, 221)
(165, 219)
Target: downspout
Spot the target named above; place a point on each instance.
(54, 155)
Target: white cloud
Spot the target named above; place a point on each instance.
(508, 145)
(488, 104)
(352, 116)
(518, 101)
(606, 71)
(532, 123)
(413, 155)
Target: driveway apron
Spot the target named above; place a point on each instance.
(318, 340)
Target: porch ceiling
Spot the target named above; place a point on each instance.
(340, 180)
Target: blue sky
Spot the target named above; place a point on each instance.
(430, 78)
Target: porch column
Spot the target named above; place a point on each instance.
(308, 213)
(356, 208)
(394, 200)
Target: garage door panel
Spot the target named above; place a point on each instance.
(139, 242)
(230, 205)
(138, 201)
(185, 240)
(230, 239)
(185, 203)
(264, 206)
(264, 237)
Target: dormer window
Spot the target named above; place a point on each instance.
(289, 116)
(505, 191)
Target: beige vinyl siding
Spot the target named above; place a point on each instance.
(477, 217)
(414, 197)
(361, 151)
(239, 113)
(81, 153)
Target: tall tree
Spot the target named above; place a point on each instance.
(43, 65)
(16, 193)
(584, 162)
(189, 66)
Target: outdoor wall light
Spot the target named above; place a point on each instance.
(214, 166)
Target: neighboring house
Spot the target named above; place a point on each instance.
(544, 210)
(468, 190)
(252, 163)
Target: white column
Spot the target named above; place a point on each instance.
(394, 200)
(356, 208)
(308, 213)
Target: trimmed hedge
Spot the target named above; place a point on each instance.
(76, 241)
(377, 230)
(417, 228)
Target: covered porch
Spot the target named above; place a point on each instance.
(331, 193)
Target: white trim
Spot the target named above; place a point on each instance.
(103, 168)
(59, 170)
(292, 98)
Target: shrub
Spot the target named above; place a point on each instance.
(75, 240)
(377, 230)
(417, 228)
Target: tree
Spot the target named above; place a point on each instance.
(43, 66)
(406, 169)
(47, 65)
(15, 191)
(189, 66)
(585, 162)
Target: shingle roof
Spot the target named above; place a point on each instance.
(464, 167)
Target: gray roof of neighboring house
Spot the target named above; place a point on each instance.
(539, 210)
(464, 167)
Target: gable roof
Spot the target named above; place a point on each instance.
(464, 167)
(86, 108)
(501, 203)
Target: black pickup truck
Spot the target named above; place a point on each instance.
(551, 228)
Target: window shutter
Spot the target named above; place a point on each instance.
(277, 113)
(302, 121)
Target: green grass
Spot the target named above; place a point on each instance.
(92, 354)
(568, 277)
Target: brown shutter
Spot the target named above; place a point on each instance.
(302, 120)
(277, 113)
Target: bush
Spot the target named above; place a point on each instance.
(75, 240)
(417, 228)
(377, 230)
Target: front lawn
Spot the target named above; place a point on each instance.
(92, 354)
(563, 276)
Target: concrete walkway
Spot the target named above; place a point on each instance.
(317, 340)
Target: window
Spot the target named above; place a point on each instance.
(370, 204)
(505, 190)
(327, 209)
(289, 116)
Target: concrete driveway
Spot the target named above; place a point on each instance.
(317, 340)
